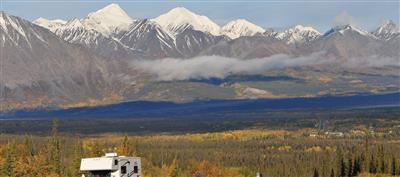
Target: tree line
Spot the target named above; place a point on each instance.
(231, 153)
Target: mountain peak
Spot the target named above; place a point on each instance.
(388, 22)
(52, 25)
(107, 19)
(181, 10)
(112, 7)
(299, 34)
(179, 19)
(241, 27)
(344, 29)
(74, 23)
(12, 22)
(2, 19)
(387, 30)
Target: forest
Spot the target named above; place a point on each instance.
(232, 153)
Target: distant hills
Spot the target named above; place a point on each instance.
(212, 108)
(87, 61)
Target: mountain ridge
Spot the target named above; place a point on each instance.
(73, 65)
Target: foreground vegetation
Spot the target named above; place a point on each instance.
(229, 153)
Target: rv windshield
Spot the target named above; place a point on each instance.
(105, 173)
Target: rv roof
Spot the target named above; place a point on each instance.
(100, 163)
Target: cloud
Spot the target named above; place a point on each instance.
(344, 18)
(206, 67)
(217, 67)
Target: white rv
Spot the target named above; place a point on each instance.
(111, 165)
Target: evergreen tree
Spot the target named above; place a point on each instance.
(350, 167)
(332, 173)
(28, 149)
(341, 166)
(77, 155)
(394, 166)
(316, 174)
(9, 162)
(381, 160)
(125, 147)
(372, 165)
(55, 149)
(356, 167)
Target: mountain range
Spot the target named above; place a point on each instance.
(184, 34)
(87, 61)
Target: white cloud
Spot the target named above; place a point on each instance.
(217, 67)
(205, 67)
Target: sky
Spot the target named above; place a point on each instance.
(320, 14)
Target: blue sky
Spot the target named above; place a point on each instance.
(320, 14)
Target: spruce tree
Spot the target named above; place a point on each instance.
(77, 155)
(356, 166)
(55, 149)
(9, 161)
(381, 166)
(125, 147)
(394, 166)
(350, 167)
(316, 174)
(372, 164)
(341, 167)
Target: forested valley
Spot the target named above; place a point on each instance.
(235, 153)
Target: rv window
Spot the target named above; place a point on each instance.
(123, 170)
(105, 173)
(115, 162)
(135, 169)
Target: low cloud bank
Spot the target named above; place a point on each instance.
(205, 67)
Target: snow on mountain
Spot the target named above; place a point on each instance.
(17, 31)
(348, 41)
(108, 19)
(52, 25)
(269, 32)
(151, 39)
(344, 29)
(38, 65)
(75, 32)
(180, 18)
(387, 30)
(241, 27)
(299, 34)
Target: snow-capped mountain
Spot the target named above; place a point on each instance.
(43, 69)
(107, 20)
(387, 30)
(110, 32)
(348, 41)
(298, 34)
(150, 39)
(248, 47)
(75, 32)
(180, 19)
(346, 30)
(269, 32)
(88, 59)
(191, 43)
(241, 27)
(52, 25)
